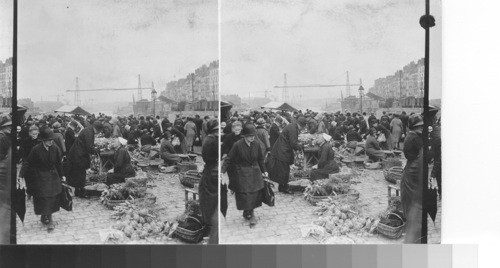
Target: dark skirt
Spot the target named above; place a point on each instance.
(45, 205)
(208, 190)
(76, 176)
(279, 171)
(113, 178)
(248, 201)
(322, 173)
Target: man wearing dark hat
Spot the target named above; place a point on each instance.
(245, 166)
(79, 157)
(282, 156)
(44, 161)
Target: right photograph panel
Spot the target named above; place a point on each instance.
(324, 134)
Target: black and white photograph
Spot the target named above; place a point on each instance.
(322, 122)
(118, 142)
(6, 87)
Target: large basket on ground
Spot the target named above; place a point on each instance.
(391, 162)
(393, 174)
(111, 204)
(183, 167)
(389, 231)
(351, 195)
(190, 178)
(191, 236)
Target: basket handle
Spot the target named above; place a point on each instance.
(397, 216)
(195, 220)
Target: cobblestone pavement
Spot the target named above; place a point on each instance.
(281, 224)
(89, 217)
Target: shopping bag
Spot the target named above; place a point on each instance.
(268, 197)
(65, 199)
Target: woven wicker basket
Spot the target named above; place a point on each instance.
(393, 174)
(190, 178)
(190, 236)
(391, 232)
(391, 162)
(111, 204)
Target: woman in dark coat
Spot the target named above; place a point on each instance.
(246, 163)
(372, 148)
(282, 155)
(326, 162)
(44, 162)
(412, 181)
(123, 168)
(231, 138)
(274, 131)
(79, 157)
(70, 135)
(167, 151)
(209, 182)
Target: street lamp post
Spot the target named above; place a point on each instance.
(153, 96)
(361, 90)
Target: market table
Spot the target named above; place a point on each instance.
(310, 155)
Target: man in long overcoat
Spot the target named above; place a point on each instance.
(282, 156)
(79, 157)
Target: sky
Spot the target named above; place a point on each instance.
(109, 43)
(316, 42)
(6, 29)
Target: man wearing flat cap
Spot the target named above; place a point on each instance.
(282, 155)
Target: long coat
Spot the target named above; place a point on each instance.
(396, 130)
(83, 147)
(247, 165)
(69, 138)
(274, 133)
(326, 163)
(209, 182)
(263, 138)
(287, 141)
(45, 165)
(122, 163)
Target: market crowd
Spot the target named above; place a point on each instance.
(57, 148)
(261, 144)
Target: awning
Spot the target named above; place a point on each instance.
(68, 109)
(275, 105)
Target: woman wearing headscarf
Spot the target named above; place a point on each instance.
(190, 131)
(123, 167)
(44, 162)
(372, 147)
(412, 180)
(326, 162)
(246, 163)
(209, 183)
(232, 138)
(167, 151)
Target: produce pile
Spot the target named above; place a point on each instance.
(104, 144)
(334, 186)
(308, 139)
(137, 222)
(338, 217)
(123, 191)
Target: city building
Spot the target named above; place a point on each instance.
(202, 85)
(6, 83)
(408, 82)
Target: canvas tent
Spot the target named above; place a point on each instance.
(275, 105)
(68, 109)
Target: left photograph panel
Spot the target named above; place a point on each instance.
(6, 90)
(118, 143)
